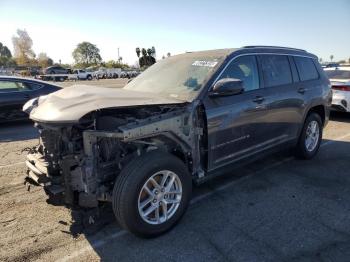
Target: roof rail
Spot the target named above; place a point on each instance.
(278, 47)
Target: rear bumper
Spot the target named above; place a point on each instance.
(341, 101)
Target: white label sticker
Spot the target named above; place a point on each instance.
(205, 63)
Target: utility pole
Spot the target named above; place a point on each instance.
(118, 53)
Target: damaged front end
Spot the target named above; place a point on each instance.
(80, 162)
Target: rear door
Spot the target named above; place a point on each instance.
(286, 103)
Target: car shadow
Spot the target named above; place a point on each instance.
(288, 211)
(17, 131)
(340, 117)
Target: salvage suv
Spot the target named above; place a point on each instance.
(183, 120)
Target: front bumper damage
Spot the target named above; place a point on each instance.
(72, 168)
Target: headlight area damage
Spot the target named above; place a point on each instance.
(81, 161)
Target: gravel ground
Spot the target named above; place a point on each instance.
(277, 209)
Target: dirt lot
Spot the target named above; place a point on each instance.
(278, 209)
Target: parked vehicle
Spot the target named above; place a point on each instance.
(82, 74)
(56, 70)
(101, 73)
(15, 92)
(186, 118)
(340, 80)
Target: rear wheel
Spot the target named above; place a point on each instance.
(310, 137)
(151, 194)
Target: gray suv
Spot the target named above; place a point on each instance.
(183, 120)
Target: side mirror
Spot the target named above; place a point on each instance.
(227, 87)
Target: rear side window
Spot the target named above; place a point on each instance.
(276, 70)
(306, 68)
(32, 86)
(12, 86)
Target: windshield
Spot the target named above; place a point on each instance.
(338, 74)
(180, 77)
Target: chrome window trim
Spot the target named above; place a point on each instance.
(256, 53)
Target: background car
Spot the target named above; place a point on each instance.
(82, 74)
(56, 70)
(15, 92)
(340, 80)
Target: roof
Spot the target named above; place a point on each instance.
(274, 47)
(222, 53)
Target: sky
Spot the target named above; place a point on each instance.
(56, 27)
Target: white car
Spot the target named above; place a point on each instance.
(340, 80)
(82, 74)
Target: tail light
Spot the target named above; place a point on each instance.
(341, 88)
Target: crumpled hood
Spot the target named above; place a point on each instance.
(72, 103)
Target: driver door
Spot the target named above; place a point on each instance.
(236, 124)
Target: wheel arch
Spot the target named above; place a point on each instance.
(173, 145)
(318, 109)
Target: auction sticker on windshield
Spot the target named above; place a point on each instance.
(205, 63)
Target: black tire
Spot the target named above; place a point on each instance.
(129, 184)
(301, 151)
(89, 77)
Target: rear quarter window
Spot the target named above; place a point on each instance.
(306, 68)
(276, 70)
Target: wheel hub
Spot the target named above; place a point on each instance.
(312, 136)
(160, 197)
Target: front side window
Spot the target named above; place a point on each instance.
(245, 69)
(276, 70)
(306, 68)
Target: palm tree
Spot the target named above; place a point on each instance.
(138, 51)
(331, 57)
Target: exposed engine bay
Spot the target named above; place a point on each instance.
(81, 161)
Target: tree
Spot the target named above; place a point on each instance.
(44, 60)
(6, 56)
(138, 51)
(153, 51)
(116, 64)
(349, 60)
(146, 59)
(86, 54)
(331, 57)
(22, 45)
(4, 51)
(168, 54)
(321, 60)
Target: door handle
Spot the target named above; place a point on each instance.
(302, 90)
(258, 99)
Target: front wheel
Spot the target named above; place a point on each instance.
(310, 137)
(151, 194)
